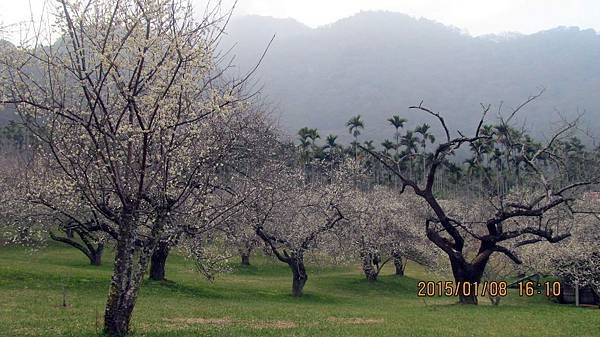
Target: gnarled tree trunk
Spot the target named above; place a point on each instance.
(96, 256)
(299, 276)
(465, 277)
(245, 259)
(246, 250)
(369, 270)
(399, 264)
(93, 253)
(159, 260)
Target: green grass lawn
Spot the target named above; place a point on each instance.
(255, 301)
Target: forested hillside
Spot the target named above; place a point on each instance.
(378, 63)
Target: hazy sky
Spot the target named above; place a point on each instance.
(474, 16)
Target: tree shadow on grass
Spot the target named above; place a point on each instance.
(359, 286)
(20, 279)
(227, 291)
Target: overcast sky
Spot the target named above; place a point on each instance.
(473, 16)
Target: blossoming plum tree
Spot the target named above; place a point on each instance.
(133, 108)
(383, 226)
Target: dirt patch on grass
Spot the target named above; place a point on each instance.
(355, 320)
(198, 320)
(273, 325)
(186, 322)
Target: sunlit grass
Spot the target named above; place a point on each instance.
(255, 301)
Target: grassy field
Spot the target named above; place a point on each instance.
(255, 301)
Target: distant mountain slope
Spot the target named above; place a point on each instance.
(378, 63)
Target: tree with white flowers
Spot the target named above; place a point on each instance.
(381, 226)
(55, 211)
(576, 260)
(242, 237)
(132, 108)
(294, 216)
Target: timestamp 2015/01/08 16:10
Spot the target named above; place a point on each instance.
(487, 288)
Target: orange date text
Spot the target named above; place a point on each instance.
(455, 289)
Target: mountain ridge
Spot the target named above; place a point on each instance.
(379, 63)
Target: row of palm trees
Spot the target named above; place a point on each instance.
(410, 145)
(494, 165)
